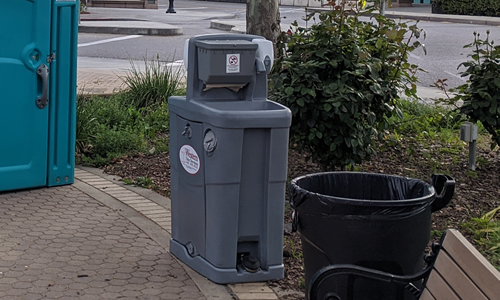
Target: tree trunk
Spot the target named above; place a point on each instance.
(263, 18)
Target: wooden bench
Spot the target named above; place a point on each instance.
(456, 271)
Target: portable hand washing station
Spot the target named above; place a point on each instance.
(228, 154)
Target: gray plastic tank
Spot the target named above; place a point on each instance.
(228, 154)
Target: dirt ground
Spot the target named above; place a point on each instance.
(476, 192)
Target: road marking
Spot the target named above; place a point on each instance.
(415, 56)
(455, 75)
(291, 10)
(186, 8)
(128, 37)
(176, 63)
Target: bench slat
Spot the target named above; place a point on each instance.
(456, 278)
(426, 295)
(438, 287)
(479, 270)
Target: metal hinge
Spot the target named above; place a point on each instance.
(51, 58)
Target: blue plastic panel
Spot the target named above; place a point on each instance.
(24, 39)
(62, 126)
(37, 145)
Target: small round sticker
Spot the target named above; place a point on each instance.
(190, 160)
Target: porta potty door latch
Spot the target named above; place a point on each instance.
(51, 58)
(43, 73)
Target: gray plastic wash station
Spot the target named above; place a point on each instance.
(228, 153)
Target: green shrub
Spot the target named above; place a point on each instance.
(481, 93)
(468, 7)
(341, 78)
(154, 85)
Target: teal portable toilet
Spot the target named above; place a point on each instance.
(38, 51)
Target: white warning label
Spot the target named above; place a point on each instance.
(233, 63)
(190, 160)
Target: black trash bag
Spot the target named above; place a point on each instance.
(371, 220)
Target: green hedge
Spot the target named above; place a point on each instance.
(489, 8)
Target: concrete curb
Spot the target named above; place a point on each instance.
(236, 26)
(430, 17)
(231, 26)
(446, 18)
(217, 24)
(129, 27)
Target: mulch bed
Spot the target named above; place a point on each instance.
(476, 192)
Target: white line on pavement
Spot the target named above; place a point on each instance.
(455, 75)
(128, 37)
(415, 56)
(186, 8)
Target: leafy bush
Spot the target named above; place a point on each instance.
(468, 7)
(154, 85)
(481, 93)
(341, 79)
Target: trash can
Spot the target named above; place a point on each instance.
(228, 156)
(38, 77)
(376, 221)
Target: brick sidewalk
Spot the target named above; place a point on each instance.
(99, 82)
(97, 239)
(60, 242)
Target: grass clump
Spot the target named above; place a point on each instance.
(108, 129)
(154, 85)
(131, 121)
(486, 234)
(419, 117)
(115, 130)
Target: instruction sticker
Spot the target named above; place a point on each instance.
(233, 63)
(190, 160)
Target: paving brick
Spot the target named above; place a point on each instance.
(131, 293)
(31, 296)
(137, 280)
(152, 291)
(256, 296)
(8, 281)
(169, 296)
(54, 294)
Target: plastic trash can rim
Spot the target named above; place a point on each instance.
(367, 202)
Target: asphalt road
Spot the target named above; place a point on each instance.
(445, 50)
(444, 41)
